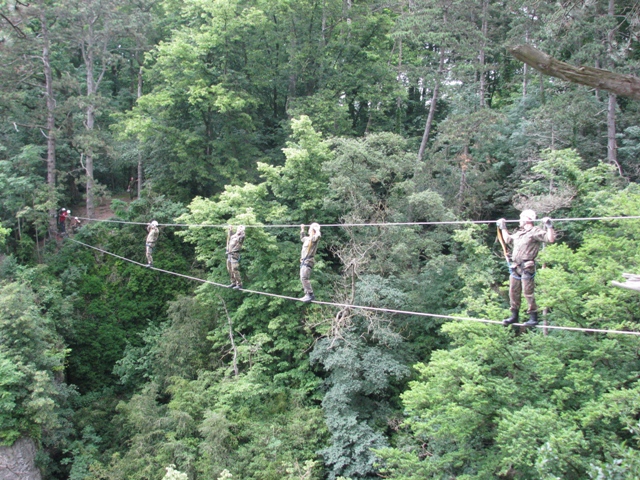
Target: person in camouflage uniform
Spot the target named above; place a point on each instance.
(132, 187)
(76, 224)
(152, 238)
(234, 245)
(307, 260)
(526, 241)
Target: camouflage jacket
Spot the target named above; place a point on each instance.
(152, 238)
(527, 243)
(235, 244)
(309, 248)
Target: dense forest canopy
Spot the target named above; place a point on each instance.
(290, 112)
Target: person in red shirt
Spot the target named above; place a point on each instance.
(62, 221)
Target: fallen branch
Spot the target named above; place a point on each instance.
(618, 83)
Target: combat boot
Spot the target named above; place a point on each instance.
(308, 297)
(515, 315)
(533, 320)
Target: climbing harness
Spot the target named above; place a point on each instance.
(525, 275)
(512, 266)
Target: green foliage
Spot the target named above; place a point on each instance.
(25, 201)
(4, 232)
(32, 356)
(255, 112)
(212, 424)
(173, 474)
(11, 378)
(630, 143)
(359, 374)
(561, 180)
(114, 301)
(534, 405)
(291, 193)
(496, 405)
(179, 348)
(83, 453)
(578, 282)
(234, 370)
(371, 177)
(301, 180)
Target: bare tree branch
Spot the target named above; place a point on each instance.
(618, 83)
(26, 125)
(14, 26)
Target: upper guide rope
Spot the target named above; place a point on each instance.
(359, 307)
(390, 224)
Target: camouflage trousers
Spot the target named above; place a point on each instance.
(233, 267)
(149, 252)
(522, 280)
(305, 275)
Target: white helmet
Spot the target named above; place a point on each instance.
(154, 223)
(527, 216)
(315, 227)
(240, 229)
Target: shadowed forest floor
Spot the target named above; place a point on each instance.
(102, 211)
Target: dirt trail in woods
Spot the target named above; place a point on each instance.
(102, 211)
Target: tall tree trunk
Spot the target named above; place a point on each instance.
(139, 154)
(51, 119)
(596, 65)
(612, 150)
(525, 70)
(323, 39)
(90, 124)
(88, 166)
(291, 89)
(432, 108)
(483, 86)
(90, 46)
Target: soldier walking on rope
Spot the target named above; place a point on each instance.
(526, 241)
(234, 245)
(152, 238)
(309, 248)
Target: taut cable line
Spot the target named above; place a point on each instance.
(373, 224)
(358, 307)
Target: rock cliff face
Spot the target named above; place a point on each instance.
(17, 462)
